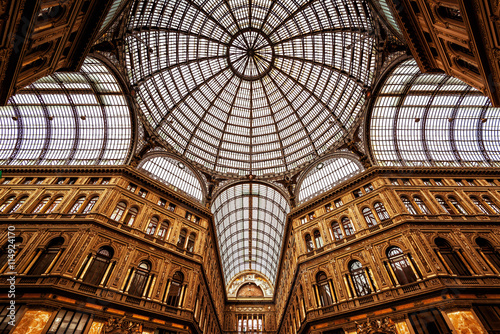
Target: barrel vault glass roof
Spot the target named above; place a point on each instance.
(77, 118)
(250, 87)
(326, 175)
(250, 222)
(433, 120)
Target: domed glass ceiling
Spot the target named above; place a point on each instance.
(250, 87)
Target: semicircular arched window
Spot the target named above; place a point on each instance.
(491, 204)
(7, 203)
(489, 252)
(47, 258)
(177, 175)
(408, 205)
(451, 257)
(182, 238)
(175, 289)
(324, 291)
(139, 280)
(400, 266)
(90, 204)
(432, 119)
(100, 264)
(41, 205)
(347, 225)
(369, 217)
(15, 207)
(130, 216)
(337, 231)
(152, 225)
(327, 174)
(358, 276)
(421, 205)
(381, 211)
(162, 231)
(119, 211)
(318, 240)
(81, 118)
(77, 205)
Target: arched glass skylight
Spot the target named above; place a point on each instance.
(250, 219)
(433, 120)
(326, 175)
(245, 87)
(117, 4)
(67, 119)
(173, 173)
(387, 12)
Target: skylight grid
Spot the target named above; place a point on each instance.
(195, 62)
(175, 173)
(68, 119)
(326, 175)
(451, 121)
(249, 221)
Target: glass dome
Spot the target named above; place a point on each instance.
(250, 87)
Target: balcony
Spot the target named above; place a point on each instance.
(60, 285)
(443, 285)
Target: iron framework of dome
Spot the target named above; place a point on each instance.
(432, 120)
(250, 223)
(79, 118)
(250, 87)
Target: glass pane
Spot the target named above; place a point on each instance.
(224, 85)
(77, 118)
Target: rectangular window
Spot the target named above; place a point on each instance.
(427, 182)
(162, 202)
(338, 203)
(105, 180)
(328, 207)
(171, 207)
(459, 182)
(188, 215)
(93, 180)
(28, 180)
(394, 182)
(303, 220)
(491, 182)
(429, 322)
(471, 182)
(40, 180)
(368, 188)
(406, 182)
(60, 180)
(4, 318)
(132, 187)
(311, 216)
(197, 219)
(7, 180)
(69, 322)
(72, 180)
(438, 182)
(489, 316)
(357, 193)
(143, 193)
